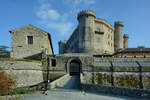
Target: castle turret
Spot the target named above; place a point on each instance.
(125, 40)
(62, 47)
(86, 26)
(118, 36)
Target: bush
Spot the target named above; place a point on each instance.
(7, 84)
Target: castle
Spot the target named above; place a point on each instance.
(95, 36)
(83, 54)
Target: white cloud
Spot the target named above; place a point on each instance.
(78, 5)
(89, 2)
(50, 18)
(80, 2)
(53, 14)
(53, 19)
(63, 28)
(45, 12)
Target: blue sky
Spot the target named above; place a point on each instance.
(58, 17)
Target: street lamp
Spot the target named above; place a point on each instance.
(47, 74)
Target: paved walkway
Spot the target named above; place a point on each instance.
(74, 95)
(71, 91)
(72, 83)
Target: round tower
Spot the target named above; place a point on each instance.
(86, 30)
(118, 35)
(125, 40)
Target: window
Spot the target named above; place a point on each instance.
(134, 56)
(124, 56)
(144, 56)
(108, 36)
(108, 43)
(111, 45)
(53, 62)
(99, 31)
(30, 39)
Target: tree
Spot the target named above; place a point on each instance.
(4, 52)
(6, 83)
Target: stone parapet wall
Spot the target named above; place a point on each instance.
(117, 90)
(120, 59)
(118, 79)
(25, 73)
(20, 65)
(118, 72)
(60, 82)
(102, 82)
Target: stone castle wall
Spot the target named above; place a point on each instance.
(94, 35)
(117, 72)
(25, 73)
(103, 37)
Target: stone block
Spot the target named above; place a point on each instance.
(126, 79)
(146, 80)
(87, 78)
(103, 78)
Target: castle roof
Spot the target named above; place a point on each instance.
(26, 26)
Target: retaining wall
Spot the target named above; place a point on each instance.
(25, 73)
(127, 73)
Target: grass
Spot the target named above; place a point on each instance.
(26, 60)
(11, 98)
(22, 92)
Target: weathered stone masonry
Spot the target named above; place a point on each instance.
(95, 36)
(25, 73)
(29, 41)
(118, 72)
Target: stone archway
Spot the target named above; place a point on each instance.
(74, 67)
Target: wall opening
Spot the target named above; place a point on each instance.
(74, 68)
(30, 39)
(53, 62)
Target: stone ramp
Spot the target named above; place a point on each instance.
(59, 82)
(72, 83)
(66, 82)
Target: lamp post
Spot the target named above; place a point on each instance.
(47, 74)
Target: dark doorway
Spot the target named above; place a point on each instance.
(74, 68)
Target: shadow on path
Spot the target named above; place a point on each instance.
(73, 83)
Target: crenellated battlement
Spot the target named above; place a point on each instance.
(119, 23)
(86, 12)
(126, 36)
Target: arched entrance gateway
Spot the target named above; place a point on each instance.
(74, 67)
